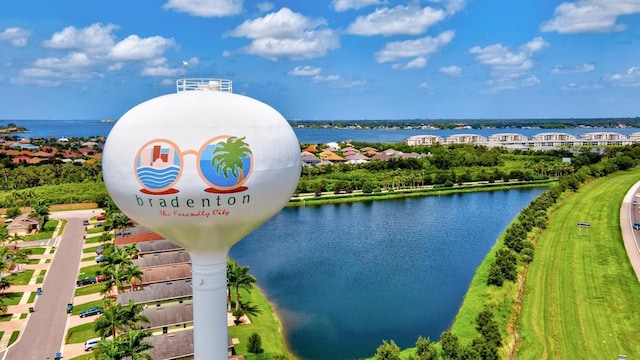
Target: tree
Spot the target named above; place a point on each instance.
(4, 235)
(134, 344)
(21, 257)
(425, 349)
(388, 351)
(450, 346)
(254, 344)
(238, 277)
(134, 275)
(117, 318)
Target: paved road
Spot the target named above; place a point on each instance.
(630, 214)
(43, 336)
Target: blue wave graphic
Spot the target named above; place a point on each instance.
(154, 178)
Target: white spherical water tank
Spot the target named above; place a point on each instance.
(202, 167)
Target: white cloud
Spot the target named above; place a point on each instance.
(343, 5)
(286, 34)
(92, 50)
(281, 24)
(451, 70)
(206, 8)
(501, 84)
(399, 51)
(136, 48)
(400, 20)
(509, 69)
(560, 69)
(265, 6)
(590, 16)
(417, 63)
(631, 77)
(94, 39)
(580, 87)
(327, 78)
(16, 36)
(305, 71)
(72, 61)
(505, 63)
(424, 85)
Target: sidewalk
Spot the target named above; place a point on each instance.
(17, 323)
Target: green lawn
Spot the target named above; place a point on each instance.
(80, 333)
(12, 298)
(90, 271)
(264, 324)
(88, 289)
(581, 296)
(37, 250)
(46, 233)
(82, 307)
(20, 278)
(91, 249)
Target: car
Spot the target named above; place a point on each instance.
(92, 311)
(85, 222)
(99, 259)
(86, 281)
(91, 344)
(120, 233)
(98, 224)
(101, 278)
(100, 217)
(99, 251)
(636, 226)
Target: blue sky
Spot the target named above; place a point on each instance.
(326, 59)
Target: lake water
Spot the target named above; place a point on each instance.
(345, 277)
(89, 128)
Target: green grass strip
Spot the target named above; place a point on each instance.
(581, 294)
(264, 324)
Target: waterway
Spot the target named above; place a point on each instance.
(91, 128)
(345, 277)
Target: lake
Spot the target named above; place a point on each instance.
(344, 277)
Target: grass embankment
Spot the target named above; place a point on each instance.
(580, 291)
(265, 324)
(581, 294)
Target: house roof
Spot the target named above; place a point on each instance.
(157, 246)
(166, 273)
(168, 315)
(23, 222)
(332, 157)
(158, 292)
(177, 345)
(138, 238)
(161, 259)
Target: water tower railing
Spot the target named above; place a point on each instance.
(204, 84)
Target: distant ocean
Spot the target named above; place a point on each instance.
(96, 128)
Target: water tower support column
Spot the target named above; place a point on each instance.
(209, 283)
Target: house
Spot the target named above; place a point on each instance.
(158, 292)
(309, 159)
(25, 224)
(179, 345)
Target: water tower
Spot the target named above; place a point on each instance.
(202, 167)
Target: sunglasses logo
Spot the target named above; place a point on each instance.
(224, 163)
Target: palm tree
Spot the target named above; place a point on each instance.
(3, 306)
(121, 222)
(135, 346)
(40, 210)
(4, 235)
(109, 350)
(21, 257)
(131, 250)
(134, 275)
(117, 318)
(116, 276)
(4, 284)
(227, 156)
(15, 238)
(238, 277)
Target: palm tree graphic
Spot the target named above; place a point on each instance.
(227, 158)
